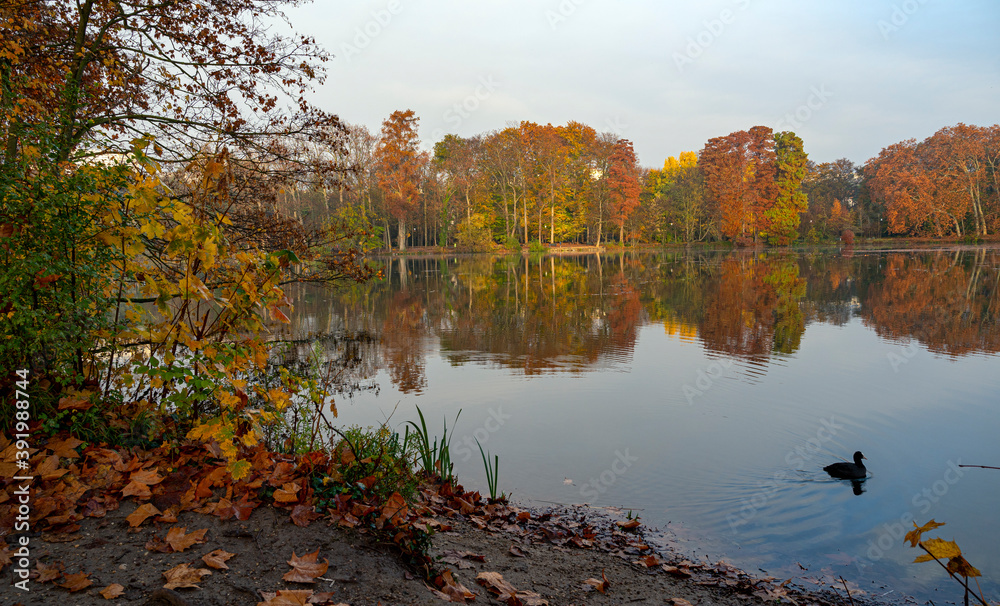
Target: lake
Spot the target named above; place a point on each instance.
(705, 391)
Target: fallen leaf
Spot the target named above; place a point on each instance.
(517, 552)
(182, 575)
(455, 591)
(494, 582)
(648, 561)
(141, 513)
(683, 573)
(48, 573)
(601, 585)
(287, 597)
(303, 515)
(74, 403)
(629, 524)
(288, 493)
(179, 541)
(76, 582)
(459, 558)
(306, 568)
(65, 448)
(679, 602)
(217, 559)
(112, 591)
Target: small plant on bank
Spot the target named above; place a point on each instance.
(938, 549)
(536, 248)
(372, 461)
(512, 243)
(492, 473)
(434, 457)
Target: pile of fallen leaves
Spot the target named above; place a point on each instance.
(72, 482)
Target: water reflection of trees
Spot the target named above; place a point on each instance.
(947, 301)
(573, 314)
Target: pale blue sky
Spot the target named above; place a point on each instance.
(850, 77)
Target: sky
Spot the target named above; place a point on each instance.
(850, 77)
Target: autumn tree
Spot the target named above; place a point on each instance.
(782, 217)
(400, 166)
(901, 179)
(623, 185)
(826, 185)
(739, 180)
(216, 73)
(680, 188)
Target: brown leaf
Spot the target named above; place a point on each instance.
(303, 515)
(517, 552)
(74, 403)
(306, 568)
(494, 582)
(629, 524)
(288, 597)
(179, 541)
(182, 575)
(683, 573)
(48, 573)
(601, 585)
(959, 565)
(112, 591)
(141, 513)
(76, 582)
(217, 559)
(65, 448)
(648, 561)
(679, 602)
(288, 493)
(455, 591)
(459, 558)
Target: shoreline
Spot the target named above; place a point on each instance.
(550, 553)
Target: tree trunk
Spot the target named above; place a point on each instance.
(402, 234)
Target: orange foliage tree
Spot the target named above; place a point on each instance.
(400, 166)
(623, 185)
(739, 180)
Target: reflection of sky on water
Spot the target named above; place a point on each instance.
(729, 450)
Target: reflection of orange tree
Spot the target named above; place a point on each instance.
(402, 336)
(947, 301)
(752, 308)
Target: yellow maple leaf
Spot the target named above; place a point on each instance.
(940, 549)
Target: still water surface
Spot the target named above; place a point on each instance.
(706, 391)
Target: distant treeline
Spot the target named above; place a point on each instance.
(572, 184)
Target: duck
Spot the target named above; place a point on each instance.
(849, 471)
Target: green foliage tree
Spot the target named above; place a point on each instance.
(782, 218)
